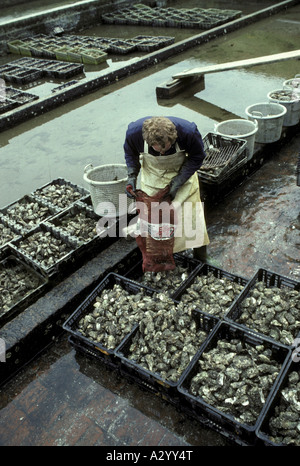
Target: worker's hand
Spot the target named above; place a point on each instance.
(131, 187)
(175, 184)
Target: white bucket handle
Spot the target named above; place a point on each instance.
(257, 113)
(88, 168)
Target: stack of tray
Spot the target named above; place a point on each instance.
(224, 156)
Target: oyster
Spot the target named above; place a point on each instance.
(275, 312)
(44, 248)
(27, 213)
(284, 424)
(16, 281)
(167, 280)
(79, 225)
(232, 377)
(167, 339)
(59, 195)
(113, 315)
(211, 294)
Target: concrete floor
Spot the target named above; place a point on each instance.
(63, 398)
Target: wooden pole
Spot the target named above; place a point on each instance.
(238, 64)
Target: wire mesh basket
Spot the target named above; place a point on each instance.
(107, 185)
(223, 156)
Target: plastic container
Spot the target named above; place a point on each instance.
(269, 117)
(61, 264)
(240, 129)
(11, 264)
(107, 185)
(270, 280)
(60, 193)
(224, 155)
(291, 101)
(71, 324)
(226, 423)
(152, 380)
(298, 171)
(263, 429)
(220, 274)
(190, 265)
(293, 84)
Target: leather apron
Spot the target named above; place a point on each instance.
(156, 173)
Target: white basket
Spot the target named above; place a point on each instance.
(269, 116)
(107, 185)
(240, 129)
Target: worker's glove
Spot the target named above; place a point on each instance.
(131, 182)
(175, 184)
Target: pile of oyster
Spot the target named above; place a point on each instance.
(167, 339)
(211, 294)
(235, 378)
(6, 234)
(80, 226)
(113, 315)
(44, 248)
(59, 195)
(275, 312)
(285, 423)
(167, 280)
(27, 213)
(167, 336)
(16, 283)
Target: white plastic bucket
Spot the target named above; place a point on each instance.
(239, 129)
(291, 101)
(293, 84)
(269, 117)
(107, 184)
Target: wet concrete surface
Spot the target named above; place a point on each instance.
(63, 398)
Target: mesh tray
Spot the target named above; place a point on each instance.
(205, 269)
(227, 423)
(24, 201)
(42, 193)
(153, 381)
(223, 156)
(270, 279)
(85, 308)
(95, 242)
(136, 273)
(13, 232)
(9, 261)
(62, 264)
(263, 429)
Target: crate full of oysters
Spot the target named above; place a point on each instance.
(232, 379)
(21, 283)
(269, 305)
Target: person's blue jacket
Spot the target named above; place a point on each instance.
(189, 139)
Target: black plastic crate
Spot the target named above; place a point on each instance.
(218, 273)
(62, 264)
(94, 353)
(263, 431)
(136, 272)
(86, 307)
(298, 170)
(13, 231)
(97, 240)
(151, 380)
(270, 280)
(60, 202)
(226, 423)
(25, 225)
(10, 263)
